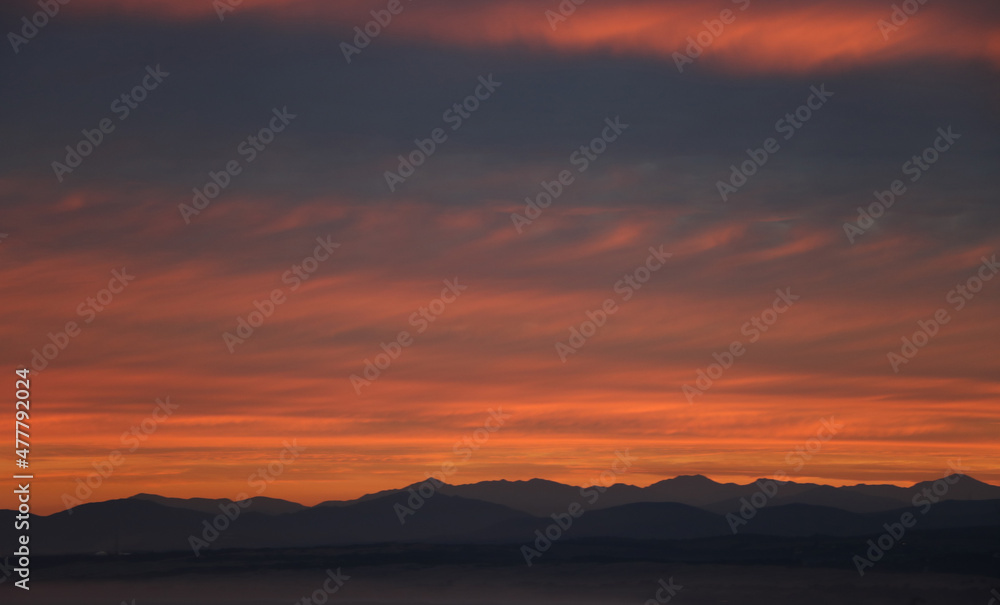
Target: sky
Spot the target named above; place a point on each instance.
(699, 167)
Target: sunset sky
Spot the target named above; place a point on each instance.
(494, 346)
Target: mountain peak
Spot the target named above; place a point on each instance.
(686, 481)
(698, 479)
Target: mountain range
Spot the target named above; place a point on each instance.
(511, 512)
(540, 497)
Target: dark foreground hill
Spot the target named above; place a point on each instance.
(140, 525)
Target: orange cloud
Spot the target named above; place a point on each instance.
(494, 346)
(766, 37)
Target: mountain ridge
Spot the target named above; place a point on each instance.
(541, 497)
(140, 525)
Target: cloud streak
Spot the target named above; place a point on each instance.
(494, 344)
(766, 36)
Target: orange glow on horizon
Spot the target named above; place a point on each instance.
(492, 347)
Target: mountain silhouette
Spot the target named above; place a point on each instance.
(540, 497)
(270, 506)
(506, 512)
